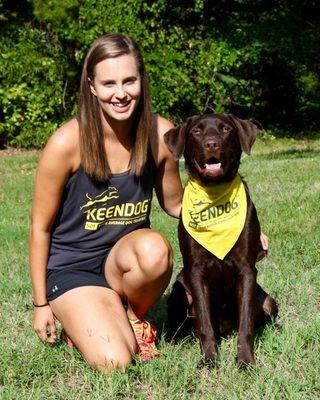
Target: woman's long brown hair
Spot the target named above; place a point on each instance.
(92, 152)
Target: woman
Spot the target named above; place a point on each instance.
(91, 247)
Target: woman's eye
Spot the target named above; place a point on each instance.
(131, 82)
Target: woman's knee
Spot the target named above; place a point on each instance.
(154, 254)
(106, 361)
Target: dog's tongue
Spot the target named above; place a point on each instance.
(212, 167)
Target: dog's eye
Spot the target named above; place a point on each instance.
(225, 129)
(196, 131)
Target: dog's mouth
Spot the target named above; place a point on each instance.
(212, 166)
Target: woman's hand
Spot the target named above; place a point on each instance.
(264, 241)
(44, 325)
(265, 246)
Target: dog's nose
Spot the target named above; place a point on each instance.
(211, 145)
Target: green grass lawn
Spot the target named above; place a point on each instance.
(284, 178)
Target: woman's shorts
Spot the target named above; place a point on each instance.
(62, 280)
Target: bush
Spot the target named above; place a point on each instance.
(256, 59)
(33, 94)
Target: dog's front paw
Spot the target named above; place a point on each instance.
(205, 363)
(210, 355)
(208, 361)
(245, 358)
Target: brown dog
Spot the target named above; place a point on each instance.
(218, 293)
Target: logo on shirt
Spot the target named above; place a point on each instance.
(98, 212)
(110, 193)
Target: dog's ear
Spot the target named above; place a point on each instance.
(175, 138)
(247, 132)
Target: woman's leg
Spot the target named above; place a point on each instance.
(96, 321)
(139, 268)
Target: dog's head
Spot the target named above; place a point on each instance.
(212, 145)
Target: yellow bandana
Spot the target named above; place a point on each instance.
(215, 215)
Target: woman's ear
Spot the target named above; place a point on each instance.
(92, 89)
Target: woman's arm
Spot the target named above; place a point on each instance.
(168, 184)
(56, 163)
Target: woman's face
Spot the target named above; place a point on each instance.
(117, 86)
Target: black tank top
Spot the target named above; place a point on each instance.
(92, 217)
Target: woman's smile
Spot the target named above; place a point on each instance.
(121, 107)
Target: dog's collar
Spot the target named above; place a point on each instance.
(214, 215)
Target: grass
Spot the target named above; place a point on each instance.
(283, 176)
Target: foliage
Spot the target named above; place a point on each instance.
(32, 95)
(34, 76)
(254, 58)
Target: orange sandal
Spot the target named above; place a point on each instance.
(146, 335)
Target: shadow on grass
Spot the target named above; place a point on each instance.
(158, 316)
